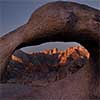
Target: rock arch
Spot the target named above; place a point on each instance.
(58, 21)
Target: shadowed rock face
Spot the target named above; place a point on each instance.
(60, 21)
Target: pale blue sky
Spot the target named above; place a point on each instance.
(14, 13)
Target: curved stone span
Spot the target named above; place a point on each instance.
(58, 21)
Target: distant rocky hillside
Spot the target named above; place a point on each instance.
(45, 66)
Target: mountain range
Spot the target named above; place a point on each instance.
(45, 66)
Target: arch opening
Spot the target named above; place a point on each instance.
(47, 64)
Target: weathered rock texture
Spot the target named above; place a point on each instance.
(60, 21)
